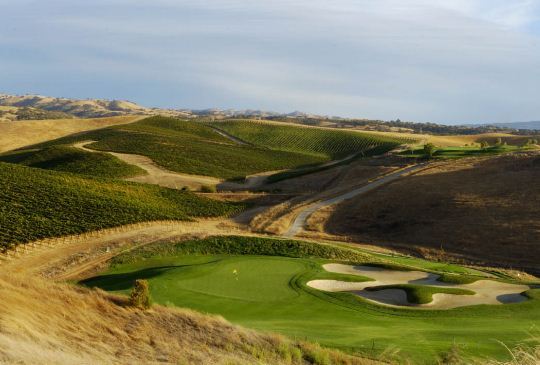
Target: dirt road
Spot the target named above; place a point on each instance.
(156, 174)
(303, 216)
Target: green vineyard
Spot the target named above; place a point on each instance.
(326, 143)
(36, 204)
(74, 160)
(194, 147)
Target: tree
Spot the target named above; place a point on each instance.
(429, 150)
(484, 145)
(140, 295)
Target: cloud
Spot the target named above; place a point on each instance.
(428, 60)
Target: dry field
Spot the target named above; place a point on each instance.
(485, 210)
(19, 134)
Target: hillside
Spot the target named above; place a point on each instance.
(90, 108)
(46, 323)
(485, 210)
(534, 125)
(39, 204)
(193, 147)
(74, 160)
(24, 107)
(328, 143)
(24, 133)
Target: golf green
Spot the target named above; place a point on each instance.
(269, 293)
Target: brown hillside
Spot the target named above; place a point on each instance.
(19, 134)
(47, 323)
(483, 209)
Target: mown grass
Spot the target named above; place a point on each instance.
(36, 204)
(269, 293)
(74, 160)
(421, 294)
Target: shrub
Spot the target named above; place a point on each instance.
(140, 295)
(208, 189)
(429, 149)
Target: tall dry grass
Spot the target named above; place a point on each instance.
(48, 323)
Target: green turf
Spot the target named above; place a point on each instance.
(70, 159)
(460, 152)
(421, 294)
(36, 204)
(269, 293)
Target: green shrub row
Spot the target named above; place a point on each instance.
(242, 245)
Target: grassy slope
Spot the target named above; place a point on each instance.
(36, 204)
(70, 159)
(421, 294)
(195, 148)
(460, 152)
(269, 293)
(331, 144)
(190, 147)
(50, 323)
(433, 209)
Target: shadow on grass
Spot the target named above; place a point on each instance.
(124, 281)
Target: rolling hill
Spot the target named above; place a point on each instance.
(192, 147)
(483, 210)
(40, 204)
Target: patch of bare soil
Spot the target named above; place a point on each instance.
(485, 210)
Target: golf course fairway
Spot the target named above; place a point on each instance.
(269, 293)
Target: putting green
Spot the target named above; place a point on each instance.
(269, 293)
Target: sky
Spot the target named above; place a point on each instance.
(454, 61)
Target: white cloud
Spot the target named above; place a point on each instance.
(419, 59)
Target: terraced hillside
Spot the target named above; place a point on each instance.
(195, 148)
(327, 143)
(37, 204)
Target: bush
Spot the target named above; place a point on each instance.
(140, 295)
(208, 189)
(429, 149)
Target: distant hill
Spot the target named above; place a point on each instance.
(533, 125)
(24, 107)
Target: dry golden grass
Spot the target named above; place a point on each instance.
(47, 323)
(19, 134)
(485, 210)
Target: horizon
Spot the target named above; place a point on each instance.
(468, 62)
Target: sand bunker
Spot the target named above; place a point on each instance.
(486, 291)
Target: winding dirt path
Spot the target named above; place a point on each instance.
(301, 219)
(156, 174)
(486, 291)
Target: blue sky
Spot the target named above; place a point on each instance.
(450, 61)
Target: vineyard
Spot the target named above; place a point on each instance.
(325, 143)
(196, 148)
(74, 160)
(36, 204)
(189, 147)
